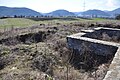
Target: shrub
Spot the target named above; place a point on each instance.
(118, 17)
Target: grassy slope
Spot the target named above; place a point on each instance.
(99, 19)
(16, 22)
(21, 22)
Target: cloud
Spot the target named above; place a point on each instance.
(110, 3)
(113, 3)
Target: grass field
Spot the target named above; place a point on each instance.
(38, 48)
(16, 22)
(22, 22)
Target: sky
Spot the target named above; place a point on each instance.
(46, 6)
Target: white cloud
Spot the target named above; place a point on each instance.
(110, 3)
(113, 3)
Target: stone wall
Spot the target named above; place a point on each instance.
(96, 48)
(101, 45)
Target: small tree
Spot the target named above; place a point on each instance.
(118, 17)
(15, 16)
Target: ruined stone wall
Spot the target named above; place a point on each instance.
(95, 48)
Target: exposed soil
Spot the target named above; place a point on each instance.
(27, 38)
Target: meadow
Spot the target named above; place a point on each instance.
(36, 49)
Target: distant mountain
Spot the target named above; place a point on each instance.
(8, 11)
(11, 11)
(106, 11)
(76, 13)
(60, 13)
(95, 13)
(114, 12)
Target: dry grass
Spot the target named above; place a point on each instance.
(47, 59)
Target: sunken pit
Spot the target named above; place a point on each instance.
(92, 48)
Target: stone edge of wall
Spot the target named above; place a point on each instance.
(114, 70)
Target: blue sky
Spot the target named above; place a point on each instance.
(71, 5)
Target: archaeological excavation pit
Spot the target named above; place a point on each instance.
(106, 34)
(26, 38)
(92, 48)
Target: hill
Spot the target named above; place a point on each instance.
(114, 12)
(95, 12)
(9, 11)
(60, 13)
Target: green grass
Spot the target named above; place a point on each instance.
(16, 22)
(22, 22)
(99, 19)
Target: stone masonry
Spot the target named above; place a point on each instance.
(105, 43)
